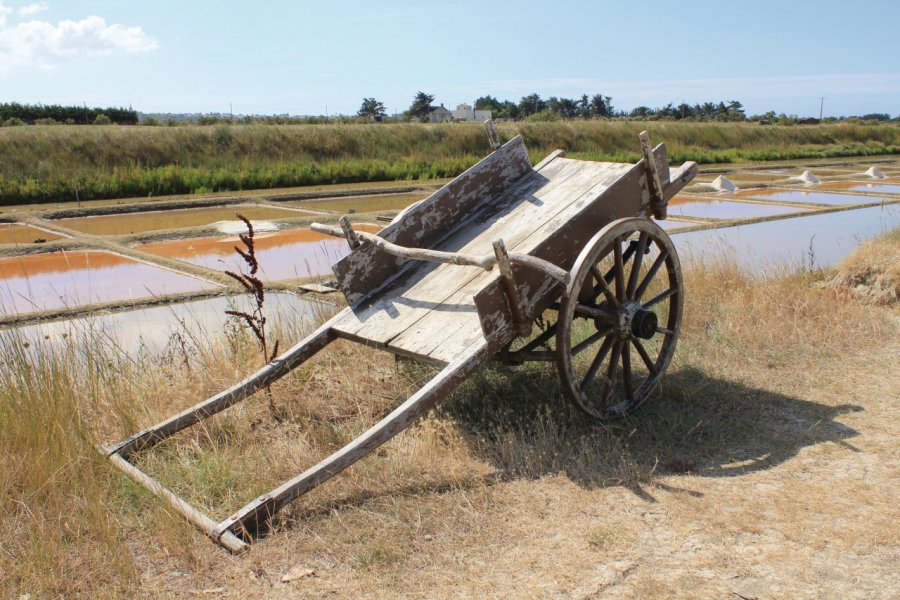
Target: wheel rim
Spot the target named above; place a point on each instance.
(619, 318)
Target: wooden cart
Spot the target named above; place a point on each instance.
(575, 252)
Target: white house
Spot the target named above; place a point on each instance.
(463, 112)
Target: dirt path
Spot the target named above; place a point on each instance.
(812, 513)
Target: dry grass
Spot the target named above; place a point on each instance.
(872, 273)
(766, 466)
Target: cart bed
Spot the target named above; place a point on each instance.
(428, 311)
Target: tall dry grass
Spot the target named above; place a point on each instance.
(71, 525)
(46, 163)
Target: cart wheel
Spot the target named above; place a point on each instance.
(620, 309)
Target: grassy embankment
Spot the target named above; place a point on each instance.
(45, 163)
(469, 488)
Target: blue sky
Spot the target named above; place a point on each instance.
(300, 57)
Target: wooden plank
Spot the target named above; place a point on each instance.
(440, 340)
(250, 516)
(410, 297)
(564, 241)
(398, 311)
(364, 271)
(271, 372)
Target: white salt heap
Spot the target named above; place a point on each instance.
(722, 184)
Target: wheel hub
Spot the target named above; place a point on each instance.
(644, 323)
(635, 321)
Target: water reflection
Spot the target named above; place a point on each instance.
(184, 327)
(284, 255)
(77, 278)
(716, 208)
(801, 196)
(124, 224)
(881, 188)
(362, 204)
(15, 233)
(822, 240)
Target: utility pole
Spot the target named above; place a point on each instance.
(821, 105)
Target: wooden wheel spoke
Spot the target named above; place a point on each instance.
(542, 339)
(604, 287)
(663, 255)
(594, 312)
(644, 356)
(598, 360)
(590, 341)
(636, 264)
(626, 372)
(610, 383)
(620, 270)
(660, 297)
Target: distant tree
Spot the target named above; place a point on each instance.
(371, 109)
(735, 111)
(584, 107)
(640, 111)
(600, 106)
(876, 117)
(488, 103)
(568, 108)
(102, 120)
(530, 105)
(421, 106)
(507, 110)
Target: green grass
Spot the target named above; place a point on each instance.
(46, 163)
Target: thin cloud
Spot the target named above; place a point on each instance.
(32, 9)
(44, 45)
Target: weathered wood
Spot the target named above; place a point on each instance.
(493, 138)
(569, 230)
(680, 178)
(366, 272)
(441, 337)
(194, 516)
(271, 372)
(409, 297)
(253, 514)
(657, 197)
(347, 228)
(523, 326)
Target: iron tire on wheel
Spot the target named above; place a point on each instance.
(605, 327)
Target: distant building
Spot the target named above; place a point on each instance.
(463, 112)
(439, 114)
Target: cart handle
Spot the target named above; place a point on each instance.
(485, 262)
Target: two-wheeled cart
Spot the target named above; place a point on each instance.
(462, 277)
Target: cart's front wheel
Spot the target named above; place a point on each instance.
(619, 318)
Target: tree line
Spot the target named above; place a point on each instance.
(13, 113)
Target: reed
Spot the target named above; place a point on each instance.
(45, 163)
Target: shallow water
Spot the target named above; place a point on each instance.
(183, 327)
(362, 204)
(283, 255)
(78, 278)
(803, 196)
(171, 219)
(881, 188)
(822, 239)
(14, 233)
(715, 208)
